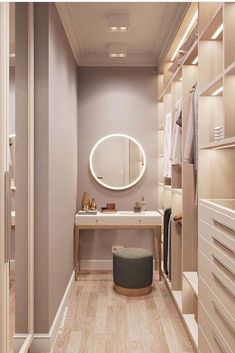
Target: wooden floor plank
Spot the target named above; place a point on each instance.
(102, 321)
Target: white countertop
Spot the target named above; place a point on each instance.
(119, 218)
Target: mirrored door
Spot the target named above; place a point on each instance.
(21, 167)
(16, 176)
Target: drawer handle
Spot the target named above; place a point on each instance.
(223, 264)
(223, 285)
(219, 311)
(221, 346)
(223, 224)
(221, 243)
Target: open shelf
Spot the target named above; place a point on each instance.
(208, 12)
(192, 327)
(222, 144)
(192, 279)
(229, 30)
(178, 297)
(212, 86)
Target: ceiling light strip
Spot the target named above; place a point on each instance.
(190, 26)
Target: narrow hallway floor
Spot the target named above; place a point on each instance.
(101, 321)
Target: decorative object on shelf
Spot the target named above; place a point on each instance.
(218, 133)
(93, 205)
(137, 207)
(143, 204)
(111, 206)
(85, 204)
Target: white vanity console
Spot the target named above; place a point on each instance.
(119, 220)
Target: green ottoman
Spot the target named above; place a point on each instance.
(133, 271)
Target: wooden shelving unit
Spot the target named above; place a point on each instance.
(215, 73)
(179, 192)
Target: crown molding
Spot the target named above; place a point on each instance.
(68, 25)
(179, 16)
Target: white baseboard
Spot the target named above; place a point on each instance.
(94, 265)
(98, 265)
(45, 342)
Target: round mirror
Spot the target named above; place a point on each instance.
(117, 162)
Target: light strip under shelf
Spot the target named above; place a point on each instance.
(217, 32)
(224, 147)
(190, 26)
(218, 91)
(195, 61)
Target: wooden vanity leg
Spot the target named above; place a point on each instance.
(159, 235)
(76, 252)
(157, 250)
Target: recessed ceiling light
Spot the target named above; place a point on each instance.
(118, 23)
(217, 32)
(117, 50)
(218, 91)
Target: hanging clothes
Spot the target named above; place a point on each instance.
(166, 228)
(176, 146)
(169, 249)
(167, 141)
(191, 141)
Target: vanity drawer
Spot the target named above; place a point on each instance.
(220, 284)
(221, 260)
(223, 320)
(218, 238)
(221, 220)
(212, 333)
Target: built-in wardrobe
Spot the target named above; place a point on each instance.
(196, 194)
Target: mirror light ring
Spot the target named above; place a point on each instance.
(119, 187)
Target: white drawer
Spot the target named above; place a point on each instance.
(220, 218)
(218, 238)
(221, 261)
(203, 345)
(220, 284)
(212, 333)
(223, 320)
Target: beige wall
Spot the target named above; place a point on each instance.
(56, 163)
(116, 100)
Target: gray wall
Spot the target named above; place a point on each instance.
(55, 163)
(116, 100)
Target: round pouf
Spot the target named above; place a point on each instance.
(133, 271)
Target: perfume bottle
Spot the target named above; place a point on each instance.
(143, 204)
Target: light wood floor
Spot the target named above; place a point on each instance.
(101, 321)
(12, 309)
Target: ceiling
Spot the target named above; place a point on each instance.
(151, 29)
